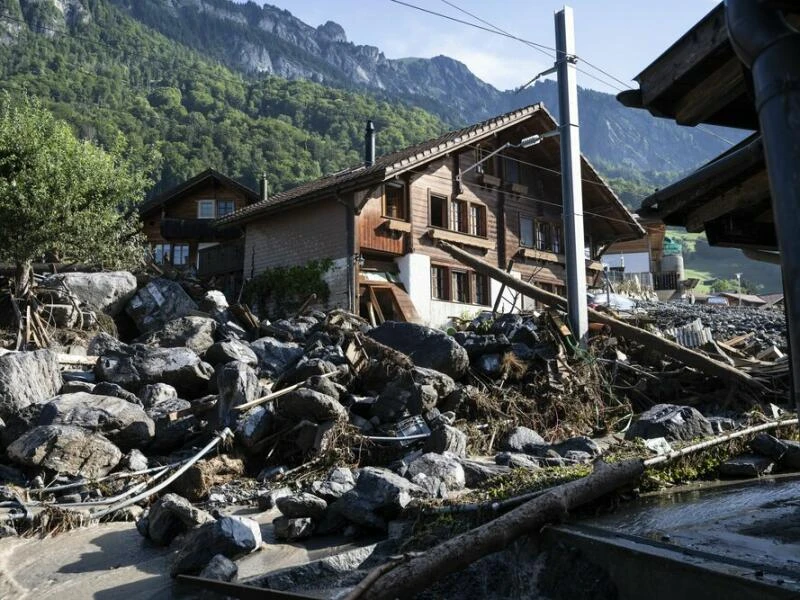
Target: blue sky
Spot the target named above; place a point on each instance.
(620, 36)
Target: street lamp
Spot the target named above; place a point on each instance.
(527, 142)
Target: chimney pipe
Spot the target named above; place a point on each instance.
(369, 144)
(264, 187)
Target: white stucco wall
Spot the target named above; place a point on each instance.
(635, 262)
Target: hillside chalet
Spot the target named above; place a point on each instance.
(380, 222)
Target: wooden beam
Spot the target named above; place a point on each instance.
(713, 94)
(740, 232)
(747, 193)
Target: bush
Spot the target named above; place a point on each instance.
(280, 291)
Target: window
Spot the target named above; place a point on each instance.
(458, 216)
(557, 239)
(526, 232)
(439, 288)
(438, 216)
(488, 165)
(394, 198)
(460, 286)
(161, 253)
(481, 287)
(477, 220)
(224, 207)
(205, 209)
(180, 254)
(510, 170)
(543, 239)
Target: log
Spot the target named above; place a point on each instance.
(687, 356)
(417, 574)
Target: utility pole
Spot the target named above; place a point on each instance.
(571, 174)
(739, 285)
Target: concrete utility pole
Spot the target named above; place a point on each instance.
(571, 174)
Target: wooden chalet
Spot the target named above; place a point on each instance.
(380, 222)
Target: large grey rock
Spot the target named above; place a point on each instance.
(476, 473)
(293, 529)
(230, 350)
(106, 292)
(384, 489)
(337, 482)
(671, 422)
(125, 424)
(103, 343)
(229, 536)
(443, 384)
(309, 404)
(220, 568)
(163, 408)
(135, 366)
(275, 357)
(768, 446)
(67, 449)
(158, 303)
(302, 505)
(253, 425)
(791, 458)
(106, 388)
(746, 466)
(447, 438)
(427, 347)
(522, 440)
(172, 515)
(445, 467)
(193, 332)
(237, 384)
(154, 393)
(577, 444)
(27, 378)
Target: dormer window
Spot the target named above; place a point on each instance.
(205, 209)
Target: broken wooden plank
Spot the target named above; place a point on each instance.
(687, 356)
(278, 394)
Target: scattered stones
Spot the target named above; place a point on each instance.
(66, 449)
(670, 422)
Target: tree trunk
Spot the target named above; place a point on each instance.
(417, 574)
(22, 277)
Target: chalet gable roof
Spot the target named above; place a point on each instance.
(198, 180)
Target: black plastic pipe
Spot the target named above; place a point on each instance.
(770, 48)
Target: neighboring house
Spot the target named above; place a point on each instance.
(380, 222)
(750, 300)
(772, 301)
(179, 225)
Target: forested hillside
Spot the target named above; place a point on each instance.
(109, 75)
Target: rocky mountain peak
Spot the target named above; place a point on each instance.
(331, 32)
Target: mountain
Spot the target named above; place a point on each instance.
(256, 40)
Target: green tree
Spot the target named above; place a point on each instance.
(63, 196)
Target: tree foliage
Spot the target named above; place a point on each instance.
(62, 196)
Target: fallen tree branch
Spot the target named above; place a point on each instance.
(278, 394)
(457, 553)
(687, 356)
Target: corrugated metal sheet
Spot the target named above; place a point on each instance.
(693, 335)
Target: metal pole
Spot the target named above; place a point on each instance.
(571, 174)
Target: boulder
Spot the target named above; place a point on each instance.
(447, 438)
(135, 461)
(445, 467)
(290, 530)
(66, 449)
(155, 393)
(123, 423)
(163, 408)
(769, 446)
(195, 333)
(577, 444)
(791, 458)
(301, 506)
(275, 357)
(337, 482)
(106, 292)
(220, 568)
(309, 404)
(385, 490)
(427, 347)
(353, 508)
(522, 440)
(477, 345)
(230, 350)
(253, 425)
(216, 304)
(103, 343)
(443, 384)
(27, 378)
(237, 384)
(746, 466)
(106, 388)
(516, 460)
(305, 368)
(671, 422)
(229, 536)
(158, 303)
(172, 515)
(476, 473)
(135, 366)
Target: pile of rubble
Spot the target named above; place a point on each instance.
(337, 424)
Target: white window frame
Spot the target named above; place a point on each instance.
(209, 203)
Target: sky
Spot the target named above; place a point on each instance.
(619, 36)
